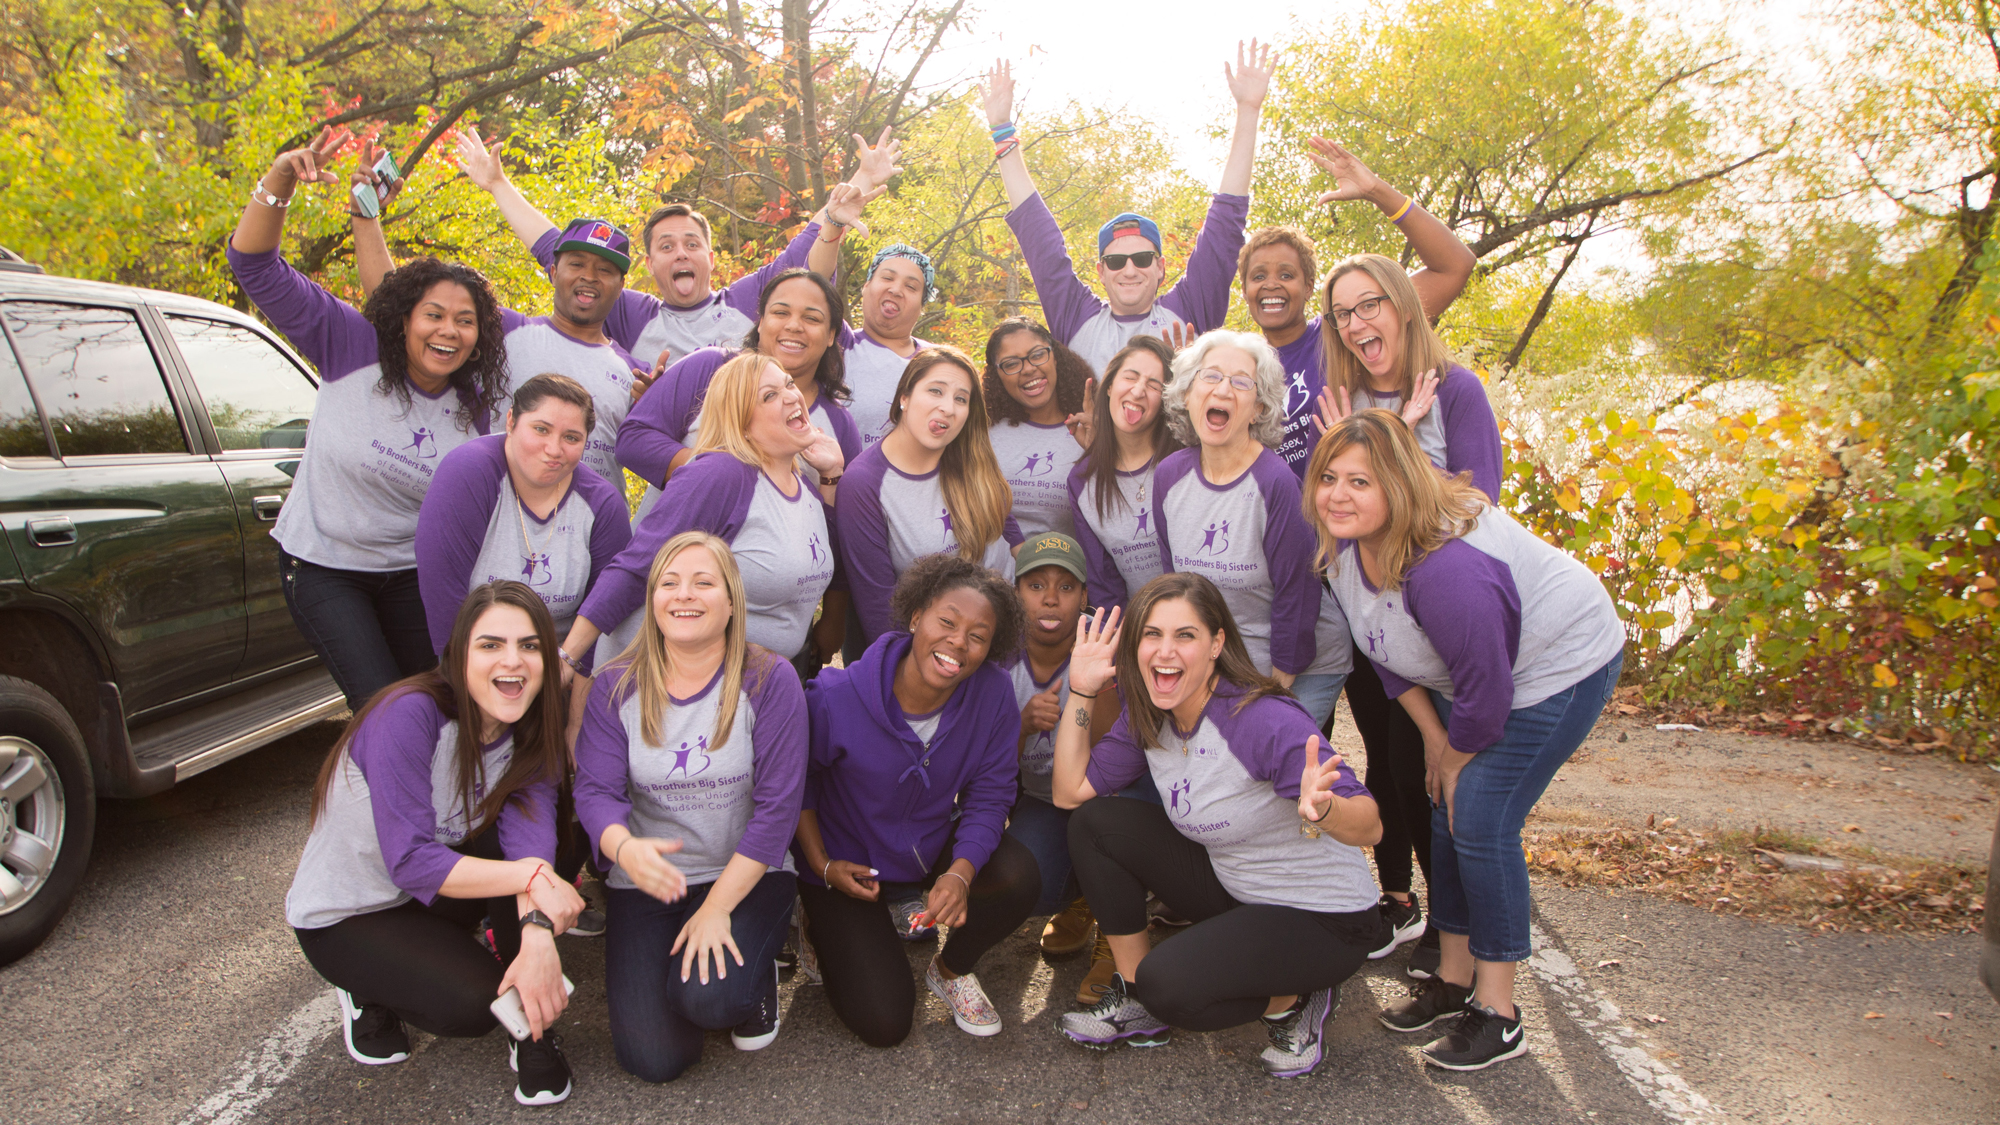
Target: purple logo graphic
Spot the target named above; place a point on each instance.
(944, 516)
(535, 570)
(813, 547)
(423, 443)
(1298, 387)
(1378, 643)
(1144, 515)
(1216, 541)
(1179, 799)
(682, 755)
(1039, 464)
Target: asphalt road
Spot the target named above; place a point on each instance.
(175, 993)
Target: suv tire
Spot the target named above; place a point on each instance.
(48, 813)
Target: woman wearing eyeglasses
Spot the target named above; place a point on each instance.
(1033, 385)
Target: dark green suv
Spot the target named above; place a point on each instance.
(147, 442)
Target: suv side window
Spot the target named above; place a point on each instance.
(257, 399)
(96, 376)
(21, 433)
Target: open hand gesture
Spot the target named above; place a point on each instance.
(310, 165)
(1316, 783)
(1180, 335)
(1335, 405)
(997, 92)
(1250, 81)
(1352, 179)
(845, 202)
(479, 161)
(644, 379)
(703, 937)
(644, 861)
(878, 161)
(1094, 661)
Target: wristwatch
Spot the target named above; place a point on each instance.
(537, 918)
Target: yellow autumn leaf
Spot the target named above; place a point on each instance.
(1671, 551)
(1884, 678)
(1568, 496)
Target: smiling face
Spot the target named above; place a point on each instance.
(1275, 288)
(1221, 411)
(938, 405)
(544, 445)
(1131, 291)
(778, 428)
(503, 664)
(1377, 343)
(796, 327)
(691, 602)
(586, 286)
(893, 298)
(440, 332)
(1177, 653)
(1053, 599)
(681, 261)
(1136, 391)
(1031, 382)
(1348, 499)
(950, 638)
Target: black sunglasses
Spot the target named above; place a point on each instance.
(1143, 259)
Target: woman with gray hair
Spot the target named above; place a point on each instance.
(1227, 508)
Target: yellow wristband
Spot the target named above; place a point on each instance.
(1402, 211)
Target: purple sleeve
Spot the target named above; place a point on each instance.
(1393, 686)
(510, 319)
(528, 822)
(629, 316)
(1471, 433)
(778, 757)
(451, 529)
(325, 329)
(393, 750)
(1269, 738)
(744, 293)
(602, 795)
(1011, 531)
(1116, 761)
(711, 493)
(1473, 619)
(1288, 552)
(656, 430)
(1201, 297)
(819, 747)
(844, 430)
(990, 792)
(1067, 302)
(1171, 470)
(1106, 584)
(864, 542)
(610, 529)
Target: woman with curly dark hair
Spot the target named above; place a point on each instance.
(403, 382)
(912, 771)
(1034, 386)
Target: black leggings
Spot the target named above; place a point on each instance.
(423, 962)
(863, 962)
(1224, 969)
(1395, 776)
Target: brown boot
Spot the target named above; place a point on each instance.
(1102, 969)
(1068, 932)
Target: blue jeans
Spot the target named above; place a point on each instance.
(1317, 693)
(657, 1019)
(1043, 829)
(369, 629)
(1479, 878)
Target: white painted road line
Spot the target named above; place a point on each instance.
(1662, 1087)
(267, 1066)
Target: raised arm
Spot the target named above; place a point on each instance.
(997, 94)
(1447, 261)
(1249, 82)
(263, 221)
(481, 164)
(1091, 664)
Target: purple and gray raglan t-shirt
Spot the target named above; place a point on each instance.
(1459, 433)
(1494, 621)
(781, 543)
(1250, 538)
(1038, 754)
(394, 812)
(1121, 549)
(1232, 786)
(644, 325)
(1304, 363)
(873, 372)
(887, 519)
(1082, 319)
(739, 796)
(1036, 461)
(369, 455)
(537, 347)
(474, 529)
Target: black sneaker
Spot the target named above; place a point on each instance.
(1481, 1038)
(589, 923)
(1425, 956)
(1430, 1001)
(1405, 921)
(757, 1032)
(375, 1035)
(544, 1073)
(1297, 1042)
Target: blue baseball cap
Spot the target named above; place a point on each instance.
(599, 237)
(1129, 223)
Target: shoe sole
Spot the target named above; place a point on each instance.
(1130, 1039)
(1418, 974)
(1519, 1049)
(980, 1029)
(1432, 1022)
(754, 1042)
(1319, 1033)
(347, 1015)
(546, 1097)
(1400, 936)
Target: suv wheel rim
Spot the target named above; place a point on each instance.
(31, 821)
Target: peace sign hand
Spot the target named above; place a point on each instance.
(1094, 661)
(1316, 783)
(1352, 178)
(309, 165)
(1180, 335)
(364, 173)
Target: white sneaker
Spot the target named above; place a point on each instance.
(969, 1006)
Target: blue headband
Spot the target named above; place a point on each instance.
(900, 250)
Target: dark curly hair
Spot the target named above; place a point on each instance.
(933, 576)
(481, 381)
(1073, 373)
(831, 375)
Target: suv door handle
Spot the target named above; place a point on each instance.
(55, 531)
(266, 507)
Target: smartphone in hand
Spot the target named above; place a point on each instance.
(512, 1016)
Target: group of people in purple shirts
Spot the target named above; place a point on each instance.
(904, 639)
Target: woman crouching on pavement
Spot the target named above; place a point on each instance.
(913, 769)
(1504, 651)
(437, 806)
(694, 747)
(1282, 911)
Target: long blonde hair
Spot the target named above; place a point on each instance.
(647, 663)
(725, 409)
(1422, 350)
(1426, 508)
(975, 492)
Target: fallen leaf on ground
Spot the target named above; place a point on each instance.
(1942, 1015)
(1608, 963)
